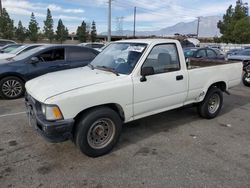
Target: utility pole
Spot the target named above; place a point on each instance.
(134, 20)
(1, 9)
(109, 22)
(198, 26)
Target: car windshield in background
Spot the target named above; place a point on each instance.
(27, 54)
(119, 57)
(245, 53)
(15, 51)
(10, 48)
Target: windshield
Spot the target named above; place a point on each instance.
(120, 57)
(28, 53)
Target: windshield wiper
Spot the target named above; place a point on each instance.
(91, 66)
(108, 69)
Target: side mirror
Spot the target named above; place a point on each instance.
(146, 71)
(34, 60)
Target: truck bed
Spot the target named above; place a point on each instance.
(200, 63)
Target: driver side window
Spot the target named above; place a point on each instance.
(52, 55)
(163, 58)
(201, 53)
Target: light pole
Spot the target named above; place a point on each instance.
(109, 22)
(134, 20)
(198, 26)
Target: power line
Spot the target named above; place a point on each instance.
(180, 14)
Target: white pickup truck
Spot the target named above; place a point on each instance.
(129, 80)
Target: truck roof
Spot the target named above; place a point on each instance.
(148, 41)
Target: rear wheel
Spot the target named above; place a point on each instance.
(11, 87)
(98, 131)
(211, 105)
(246, 79)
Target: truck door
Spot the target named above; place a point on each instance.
(166, 88)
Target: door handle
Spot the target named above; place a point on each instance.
(179, 77)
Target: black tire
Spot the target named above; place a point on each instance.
(245, 82)
(204, 108)
(19, 88)
(84, 136)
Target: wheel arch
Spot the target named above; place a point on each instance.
(14, 75)
(221, 85)
(114, 106)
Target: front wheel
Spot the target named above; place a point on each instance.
(11, 87)
(98, 131)
(211, 105)
(246, 79)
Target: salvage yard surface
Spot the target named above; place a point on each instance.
(171, 149)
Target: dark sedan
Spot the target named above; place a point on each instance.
(206, 53)
(14, 72)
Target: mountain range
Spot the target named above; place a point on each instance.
(208, 28)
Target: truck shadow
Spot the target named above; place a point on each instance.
(167, 121)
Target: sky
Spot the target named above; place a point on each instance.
(151, 14)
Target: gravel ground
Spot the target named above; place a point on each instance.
(171, 149)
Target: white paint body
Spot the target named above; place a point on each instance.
(78, 89)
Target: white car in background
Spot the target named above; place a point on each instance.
(18, 51)
(95, 45)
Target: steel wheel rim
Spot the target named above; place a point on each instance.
(12, 88)
(214, 103)
(101, 133)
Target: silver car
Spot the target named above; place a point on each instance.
(243, 55)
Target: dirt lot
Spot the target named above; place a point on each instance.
(172, 149)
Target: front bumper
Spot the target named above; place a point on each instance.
(53, 131)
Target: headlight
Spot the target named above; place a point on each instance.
(51, 112)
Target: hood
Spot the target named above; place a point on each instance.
(4, 61)
(6, 55)
(56, 83)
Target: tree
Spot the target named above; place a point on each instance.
(48, 26)
(93, 32)
(230, 19)
(61, 32)
(6, 25)
(20, 32)
(81, 32)
(33, 28)
(242, 31)
(88, 31)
